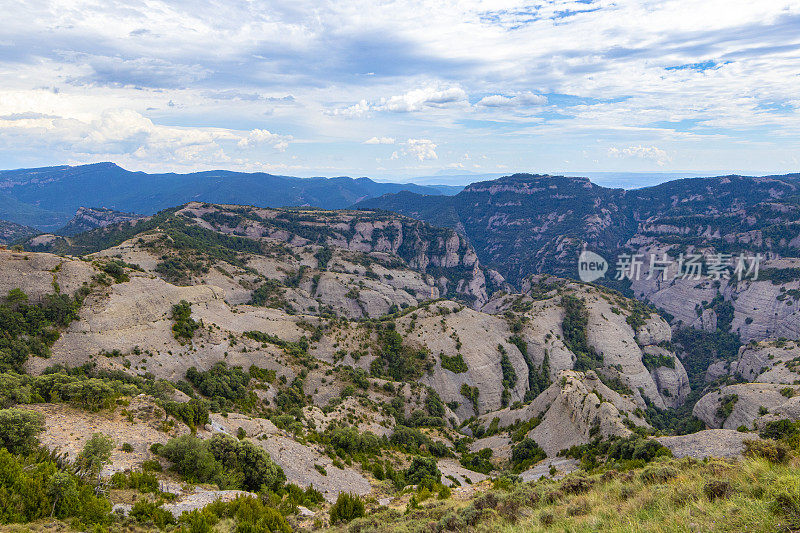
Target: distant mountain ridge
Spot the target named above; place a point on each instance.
(526, 223)
(89, 218)
(48, 197)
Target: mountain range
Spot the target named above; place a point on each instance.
(46, 198)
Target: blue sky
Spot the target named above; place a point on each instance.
(392, 89)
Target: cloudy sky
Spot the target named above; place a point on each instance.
(402, 88)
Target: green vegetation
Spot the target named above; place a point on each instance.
(576, 320)
(509, 374)
(538, 378)
(347, 507)
(269, 294)
(525, 454)
(31, 328)
(454, 363)
(653, 361)
(36, 484)
(225, 386)
(423, 472)
(193, 413)
(96, 453)
(225, 461)
(397, 361)
(726, 406)
(471, 393)
(19, 429)
(184, 327)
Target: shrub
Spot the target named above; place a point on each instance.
(423, 472)
(254, 463)
(223, 460)
(35, 487)
(397, 361)
(455, 363)
(716, 488)
(771, 450)
(780, 430)
(96, 453)
(19, 428)
(347, 507)
(148, 512)
(184, 327)
(526, 453)
(126, 447)
(220, 381)
(193, 413)
(191, 458)
(576, 485)
(726, 406)
(658, 473)
(574, 326)
(471, 393)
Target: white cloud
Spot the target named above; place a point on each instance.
(522, 99)
(380, 140)
(421, 149)
(412, 101)
(718, 76)
(641, 152)
(125, 134)
(359, 109)
(419, 99)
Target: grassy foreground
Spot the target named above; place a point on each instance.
(669, 495)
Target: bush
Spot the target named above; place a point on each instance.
(455, 364)
(574, 326)
(35, 487)
(96, 453)
(771, 450)
(223, 460)
(19, 428)
(423, 472)
(526, 453)
(257, 468)
(397, 361)
(193, 413)
(147, 512)
(716, 488)
(184, 327)
(191, 458)
(220, 381)
(347, 507)
(658, 473)
(780, 430)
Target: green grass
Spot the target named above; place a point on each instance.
(670, 495)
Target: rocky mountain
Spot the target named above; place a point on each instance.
(10, 232)
(47, 197)
(525, 224)
(345, 352)
(89, 218)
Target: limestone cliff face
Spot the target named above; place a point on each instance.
(523, 223)
(444, 256)
(575, 409)
(768, 307)
(772, 370)
(89, 218)
(748, 405)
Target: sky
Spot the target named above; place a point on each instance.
(393, 89)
